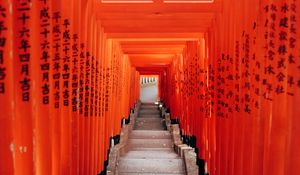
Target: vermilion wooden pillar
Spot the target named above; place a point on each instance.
(40, 43)
(23, 118)
(7, 144)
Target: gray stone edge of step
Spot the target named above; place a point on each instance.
(186, 152)
(151, 174)
(157, 165)
(117, 151)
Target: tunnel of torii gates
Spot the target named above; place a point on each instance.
(229, 73)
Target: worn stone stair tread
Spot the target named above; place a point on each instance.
(154, 107)
(149, 116)
(150, 149)
(151, 173)
(151, 154)
(149, 124)
(151, 165)
(149, 110)
(169, 160)
(148, 104)
(153, 134)
(150, 143)
(149, 121)
(146, 111)
(145, 119)
(154, 128)
(149, 127)
(143, 112)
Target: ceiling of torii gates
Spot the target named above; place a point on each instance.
(151, 32)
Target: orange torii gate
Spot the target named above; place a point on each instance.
(65, 80)
(70, 73)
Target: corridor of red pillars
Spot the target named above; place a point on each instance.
(229, 72)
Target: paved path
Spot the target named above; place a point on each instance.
(150, 147)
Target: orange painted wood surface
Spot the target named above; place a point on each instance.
(228, 71)
(57, 116)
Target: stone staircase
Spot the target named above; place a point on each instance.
(150, 147)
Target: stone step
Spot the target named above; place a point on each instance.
(150, 113)
(148, 120)
(151, 174)
(150, 149)
(144, 134)
(140, 119)
(149, 116)
(151, 155)
(147, 110)
(148, 107)
(149, 104)
(154, 127)
(147, 128)
(150, 143)
(162, 166)
(149, 124)
(146, 103)
(154, 107)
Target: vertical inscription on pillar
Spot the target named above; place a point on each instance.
(3, 30)
(56, 67)
(87, 84)
(75, 79)
(45, 47)
(23, 8)
(81, 77)
(66, 36)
